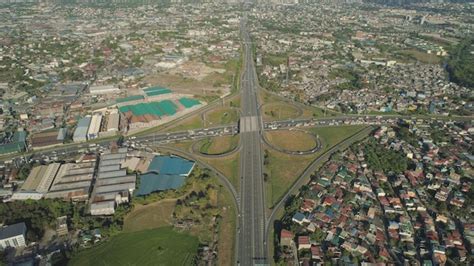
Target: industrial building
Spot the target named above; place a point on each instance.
(73, 181)
(113, 122)
(80, 134)
(113, 186)
(164, 172)
(38, 182)
(48, 138)
(94, 126)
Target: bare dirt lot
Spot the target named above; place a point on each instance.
(193, 78)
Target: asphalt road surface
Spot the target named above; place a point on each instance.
(252, 249)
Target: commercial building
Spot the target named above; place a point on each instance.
(13, 236)
(80, 134)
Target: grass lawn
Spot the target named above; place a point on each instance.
(162, 246)
(222, 116)
(219, 145)
(284, 169)
(154, 215)
(279, 111)
(292, 140)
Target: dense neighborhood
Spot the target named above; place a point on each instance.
(401, 196)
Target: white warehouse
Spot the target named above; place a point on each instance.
(94, 127)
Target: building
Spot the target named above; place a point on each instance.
(47, 138)
(103, 208)
(113, 186)
(17, 143)
(73, 181)
(286, 238)
(61, 226)
(38, 182)
(113, 122)
(103, 89)
(80, 134)
(94, 126)
(13, 236)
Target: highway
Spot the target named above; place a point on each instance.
(251, 234)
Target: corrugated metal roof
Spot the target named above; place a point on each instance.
(116, 187)
(110, 162)
(118, 180)
(108, 168)
(112, 174)
(12, 230)
(113, 156)
(82, 127)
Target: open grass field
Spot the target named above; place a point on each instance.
(312, 111)
(267, 97)
(280, 111)
(162, 246)
(219, 145)
(227, 165)
(192, 122)
(284, 169)
(182, 145)
(422, 56)
(291, 140)
(227, 227)
(222, 116)
(154, 215)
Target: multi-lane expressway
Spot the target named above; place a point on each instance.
(251, 237)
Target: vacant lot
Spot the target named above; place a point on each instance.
(163, 246)
(291, 140)
(280, 111)
(219, 145)
(154, 215)
(284, 169)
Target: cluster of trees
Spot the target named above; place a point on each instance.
(354, 81)
(381, 159)
(37, 215)
(460, 65)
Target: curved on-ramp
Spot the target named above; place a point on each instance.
(292, 152)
